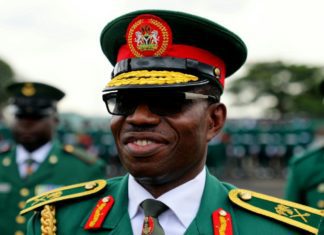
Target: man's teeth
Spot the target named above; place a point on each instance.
(143, 142)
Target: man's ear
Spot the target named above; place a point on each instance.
(216, 119)
(56, 118)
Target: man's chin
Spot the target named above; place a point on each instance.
(30, 146)
(153, 180)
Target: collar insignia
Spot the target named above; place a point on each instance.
(99, 213)
(222, 222)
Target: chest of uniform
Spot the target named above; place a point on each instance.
(315, 196)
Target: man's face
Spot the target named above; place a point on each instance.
(33, 132)
(162, 149)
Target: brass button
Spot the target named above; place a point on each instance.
(320, 204)
(320, 188)
(24, 192)
(222, 213)
(217, 71)
(245, 196)
(53, 159)
(19, 233)
(69, 148)
(21, 204)
(6, 161)
(106, 199)
(90, 185)
(20, 219)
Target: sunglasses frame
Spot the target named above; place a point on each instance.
(186, 96)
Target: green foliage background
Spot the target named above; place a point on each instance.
(6, 77)
(288, 90)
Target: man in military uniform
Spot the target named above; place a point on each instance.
(164, 97)
(305, 182)
(37, 162)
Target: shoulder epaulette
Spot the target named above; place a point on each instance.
(4, 148)
(300, 216)
(64, 193)
(80, 153)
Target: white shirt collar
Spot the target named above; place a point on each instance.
(184, 200)
(38, 155)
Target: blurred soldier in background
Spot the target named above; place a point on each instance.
(305, 182)
(37, 162)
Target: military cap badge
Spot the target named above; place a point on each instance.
(148, 35)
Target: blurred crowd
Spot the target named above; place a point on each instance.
(258, 149)
(246, 148)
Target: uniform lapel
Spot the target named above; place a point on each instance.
(123, 226)
(117, 220)
(214, 197)
(10, 171)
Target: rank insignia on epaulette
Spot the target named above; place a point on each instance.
(99, 213)
(64, 193)
(297, 215)
(80, 153)
(222, 222)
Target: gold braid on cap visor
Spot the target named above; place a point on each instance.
(145, 77)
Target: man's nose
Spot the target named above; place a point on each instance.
(143, 116)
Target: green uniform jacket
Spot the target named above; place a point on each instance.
(305, 183)
(72, 214)
(61, 167)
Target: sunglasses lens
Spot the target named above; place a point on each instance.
(120, 105)
(160, 104)
(111, 105)
(31, 116)
(165, 106)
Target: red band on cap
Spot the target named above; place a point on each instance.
(183, 52)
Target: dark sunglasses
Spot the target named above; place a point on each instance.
(31, 116)
(162, 104)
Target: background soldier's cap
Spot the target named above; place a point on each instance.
(34, 98)
(159, 48)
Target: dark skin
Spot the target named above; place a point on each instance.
(32, 133)
(163, 152)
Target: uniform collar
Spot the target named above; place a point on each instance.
(38, 155)
(183, 200)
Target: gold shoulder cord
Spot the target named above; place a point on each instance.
(48, 221)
